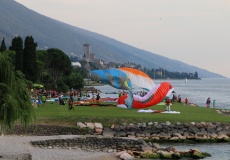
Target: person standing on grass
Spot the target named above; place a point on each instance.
(214, 103)
(186, 101)
(208, 102)
(93, 96)
(179, 99)
(168, 102)
(70, 103)
(43, 100)
(98, 97)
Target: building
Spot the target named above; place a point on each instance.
(76, 64)
(99, 61)
(89, 57)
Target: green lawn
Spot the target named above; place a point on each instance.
(55, 114)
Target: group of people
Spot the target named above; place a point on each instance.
(186, 102)
(168, 102)
(95, 96)
(208, 103)
(176, 98)
(38, 97)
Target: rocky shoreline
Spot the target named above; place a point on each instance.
(178, 132)
(154, 131)
(130, 140)
(122, 147)
(224, 111)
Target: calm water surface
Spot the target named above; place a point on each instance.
(198, 91)
(219, 151)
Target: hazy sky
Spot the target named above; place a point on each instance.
(196, 32)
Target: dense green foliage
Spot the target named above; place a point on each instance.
(14, 97)
(54, 69)
(81, 71)
(58, 64)
(3, 45)
(29, 59)
(51, 67)
(74, 81)
(54, 113)
(17, 46)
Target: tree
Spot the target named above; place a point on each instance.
(3, 45)
(17, 46)
(61, 85)
(11, 54)
(196, 75)
(81, 71)
(14, 97)
(75, 81)
(58, 64)
(29, 59)
(43, 75)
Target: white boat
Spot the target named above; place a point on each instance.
(186, 80)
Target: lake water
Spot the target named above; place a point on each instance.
(219, 151)
(197, 91)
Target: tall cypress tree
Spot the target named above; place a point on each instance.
(3, 45)
(29, 59)
(17, 46)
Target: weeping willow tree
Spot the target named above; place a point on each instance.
(14, 97)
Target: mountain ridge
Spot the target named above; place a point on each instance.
(16, 19)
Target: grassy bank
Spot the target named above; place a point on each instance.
(55, 114)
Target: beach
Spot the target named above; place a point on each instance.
(13, 146)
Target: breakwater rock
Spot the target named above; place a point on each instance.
(152, 131)
(47, 130)
(224, 111)
(124, 148)
(178, 132)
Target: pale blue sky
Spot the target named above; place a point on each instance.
(196, 32)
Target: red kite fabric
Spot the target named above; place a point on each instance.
(153, 97)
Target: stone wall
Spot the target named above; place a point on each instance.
(92, 144)
(152, 131)
(175, 132)
(124, 148)
(48, 130)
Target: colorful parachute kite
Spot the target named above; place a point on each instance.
(138, 78)
(153, 97)
(124, 78)
(113, 77)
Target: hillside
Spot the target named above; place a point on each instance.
(16, 19)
